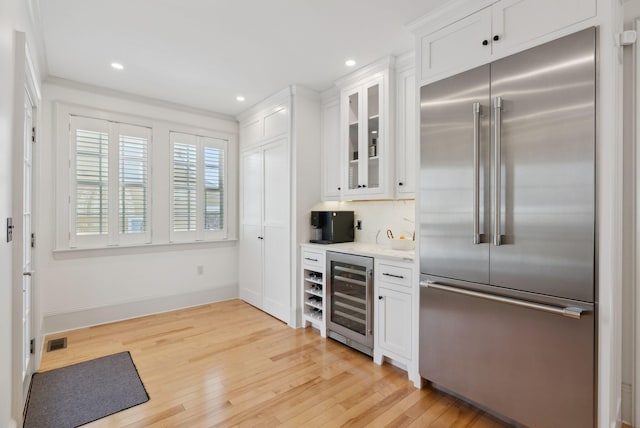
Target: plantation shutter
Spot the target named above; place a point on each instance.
(213, 188)
(90, 139)
(133, 180)
(197, 189)
(109, 196)
(184, 183)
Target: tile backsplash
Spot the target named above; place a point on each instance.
(377, 217)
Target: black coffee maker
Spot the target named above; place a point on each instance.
(332, 227)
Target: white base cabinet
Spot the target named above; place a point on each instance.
(279, 148)
(314, 294)
(395, 332)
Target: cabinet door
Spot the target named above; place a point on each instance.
(250, 279)
(331, 159)
(457, 47)
(366, 139)
(516, 22)
(394, 321)
(406, 105)
(277, 281)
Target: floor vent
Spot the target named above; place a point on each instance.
(55, 344)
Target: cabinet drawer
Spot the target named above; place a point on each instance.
(394, 274)
(313, 259)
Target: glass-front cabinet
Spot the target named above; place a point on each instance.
(365, 136)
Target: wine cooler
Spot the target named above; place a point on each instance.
(350, 300)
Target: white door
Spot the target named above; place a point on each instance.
(277, 280)
(251, 236)
(394, 322)
(331, 152)
(27, 366)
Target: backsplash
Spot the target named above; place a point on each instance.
(377, 217)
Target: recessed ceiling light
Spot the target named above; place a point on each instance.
(240, 98)
(350, 63)
(117, 65)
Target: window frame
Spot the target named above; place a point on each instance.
(161, 121)
(200, 142)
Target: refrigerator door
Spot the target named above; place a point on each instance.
(454, 173)
(527, 364)
(543, 195)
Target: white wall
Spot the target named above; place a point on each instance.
(631, 12)
(79, 288)
(377, 217)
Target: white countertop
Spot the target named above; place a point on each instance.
(371, 250)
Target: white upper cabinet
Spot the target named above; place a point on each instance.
(450, 49)
(406, 130)
(516, 22)
(271, 124)
(465, 38)
(366, 132)
(331, 159)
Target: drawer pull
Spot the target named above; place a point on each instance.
(310, 259)
(392, 275)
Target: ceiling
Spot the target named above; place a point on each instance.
(204, 53)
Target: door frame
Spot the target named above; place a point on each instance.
(26, 81)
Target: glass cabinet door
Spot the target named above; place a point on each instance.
(373, 135)
(354, 139)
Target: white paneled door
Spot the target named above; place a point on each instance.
(277, 290)
(264, 275)
(27, 268)
(250, 272)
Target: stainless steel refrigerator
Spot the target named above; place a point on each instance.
(507, 234)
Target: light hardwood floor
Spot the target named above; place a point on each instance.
(228, 364)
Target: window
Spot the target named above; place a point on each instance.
(109, 175)
(198, 201)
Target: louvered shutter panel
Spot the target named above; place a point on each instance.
(213, 188)
(184, 187)
(91, 180)
(133, 180)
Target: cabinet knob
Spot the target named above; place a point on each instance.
(359, 186)
(260, 237)
(339, 188)
(401, 184)
(364, 185)
(496, 38)
(485, 42)
(379, 297)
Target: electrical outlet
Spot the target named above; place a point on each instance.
(10, 229)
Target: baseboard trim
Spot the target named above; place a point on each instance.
(60, 322)
(627, 404)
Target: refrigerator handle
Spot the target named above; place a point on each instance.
(569, 312)
(476, 173)
(497, 165)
